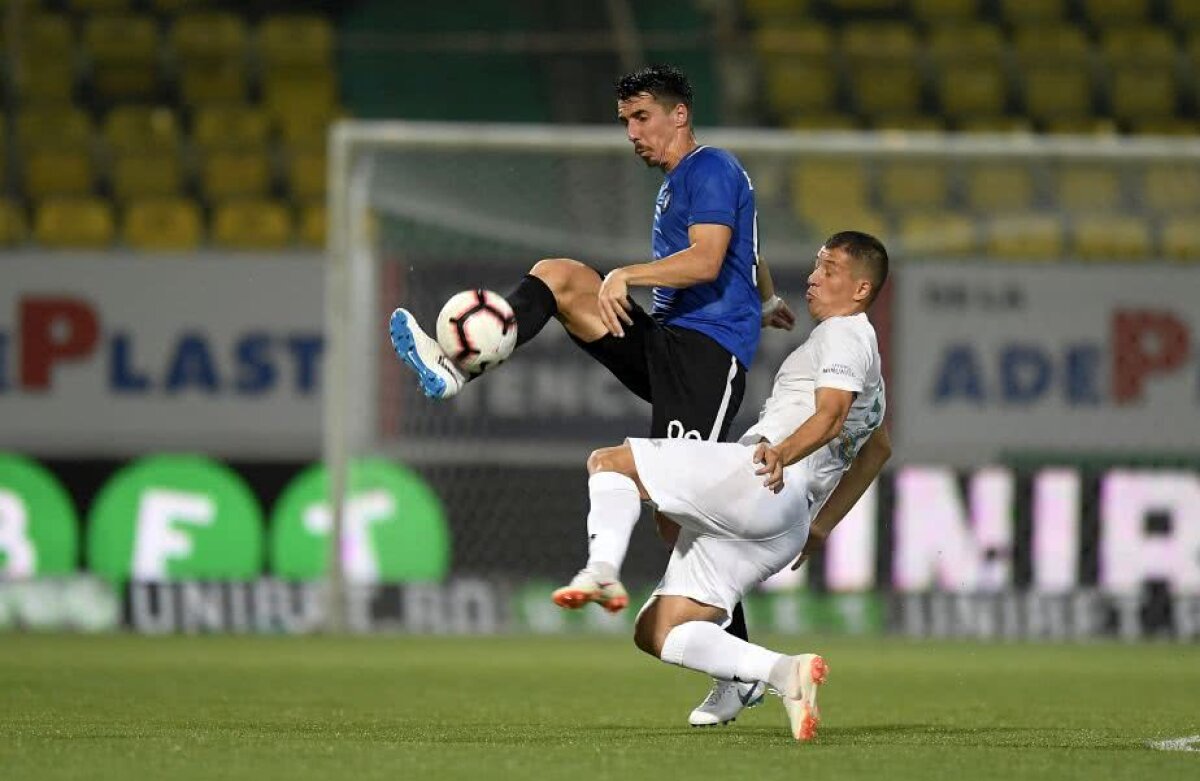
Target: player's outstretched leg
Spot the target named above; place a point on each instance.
(555, 287)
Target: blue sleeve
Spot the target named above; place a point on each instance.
(713, 190)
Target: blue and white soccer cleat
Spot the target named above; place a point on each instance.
(439, 377)
(726, 701)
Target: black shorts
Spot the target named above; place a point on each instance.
(694, 385)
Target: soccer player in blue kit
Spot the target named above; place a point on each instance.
(712, 295)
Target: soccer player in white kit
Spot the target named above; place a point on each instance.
(745, 508)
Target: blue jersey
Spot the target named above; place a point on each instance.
(709, 186)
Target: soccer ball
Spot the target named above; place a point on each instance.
(477, 329)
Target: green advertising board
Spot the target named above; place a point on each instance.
(394, 527)
(39, 529)
(175, 517)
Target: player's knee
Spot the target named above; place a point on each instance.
(603, 460)
(566, 278)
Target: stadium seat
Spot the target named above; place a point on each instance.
(1024, 237)
(1111, 237)
(995, 124)
(808, 40)
(775, 11)
(879, 42)
(176, 6)
(299, 89)
(47, 36)
(913, 186)
(1137, 45)
(1179, 238)
(933, 234)
(909, 123)
(1113, 13)
(50, 172)
(829, 120)
(251, 224)
(1139, 92)
(150, 174)
(866, 6)
(1171, 188)
(203, 83)
(141, 129)
(964, 43)
(1055, 43)
(830, 221)
(60, 127)
(12, 224)
(209, 36)
(1165, 126)
(1024, 12)
(1184, 14)
(1056, 91)
(829, 187)
(940, 11)
(231, 127)
(45, 80)
(313, 224)
(795, 86)
(304, 40)
(304, 128)
(74, 223)
(227, 174)
(969, 90)
(124, 54)
(306, 175)
(1088, 188)
(1081, 126)
(102, 6)
(886, 89)
(167, 224)
(999, 187)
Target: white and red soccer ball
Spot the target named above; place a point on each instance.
(477, 329)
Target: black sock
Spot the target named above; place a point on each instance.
(737, 624)
(533, 303)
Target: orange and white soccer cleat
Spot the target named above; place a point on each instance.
(809, 671)
(587, 586)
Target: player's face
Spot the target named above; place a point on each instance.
(648, 125)
(834, 286)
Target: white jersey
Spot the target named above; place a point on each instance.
(841, 352)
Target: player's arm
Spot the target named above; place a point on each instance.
(833, 405)
(775, 311)
(699, 263)
(866, 466)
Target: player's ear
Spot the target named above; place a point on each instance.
(681, 115)
(863, 290)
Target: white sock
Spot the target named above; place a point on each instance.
(615, 508)
(707, 648)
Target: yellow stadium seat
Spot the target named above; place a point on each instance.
(306, 175)
(47, 36)
(1180, 238)
(830, 120)
(141, 129)
(1081, 126)
(1165, 126)
(313, 224)
(303, 128)
(829, 187)
(884, 89)
(1088, 188)
(1111, 13)
(252, 224)
(227, 174)
(800, 86)
(995, 124)
(73, 223)
(146, 175)
(209, 36)
(997, 187)
(876, 41)
(1172, 188)
(1111, 237)
(969, 90)
(295, 39)
(103, 6)
(231, 127)
(913, 186)
(866, 6)
(176, 6)
(1058, 91)
(58, 172)
(46, 80)
(938, 234)
(932, 11)
(12, 224)
(1137, 45)
(808, 40)
(124, 53)
(59, 127)
(1144, 92)
(1033, 11)
(298, 89)
(1024, 237)
(775, 10)
(830, 221)
(909, 123)
(966, 43)
(167, 224)
(1184, 13)
(1050, 43)
(213, 83)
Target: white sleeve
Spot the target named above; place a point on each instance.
(843, 360)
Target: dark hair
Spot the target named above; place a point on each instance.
(666, 83)
(865, 249)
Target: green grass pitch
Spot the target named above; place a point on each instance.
(579, 708)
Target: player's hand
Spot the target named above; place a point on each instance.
(777, 314)
(770, 466)
(816, 541)
(614, 303)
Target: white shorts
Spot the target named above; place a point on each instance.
(734, 533)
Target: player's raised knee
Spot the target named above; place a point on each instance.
(610, 459)
(563, 275)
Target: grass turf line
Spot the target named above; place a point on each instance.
(119, 707)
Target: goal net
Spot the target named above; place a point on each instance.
(419, 211)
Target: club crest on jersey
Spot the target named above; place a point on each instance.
(664, 200)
